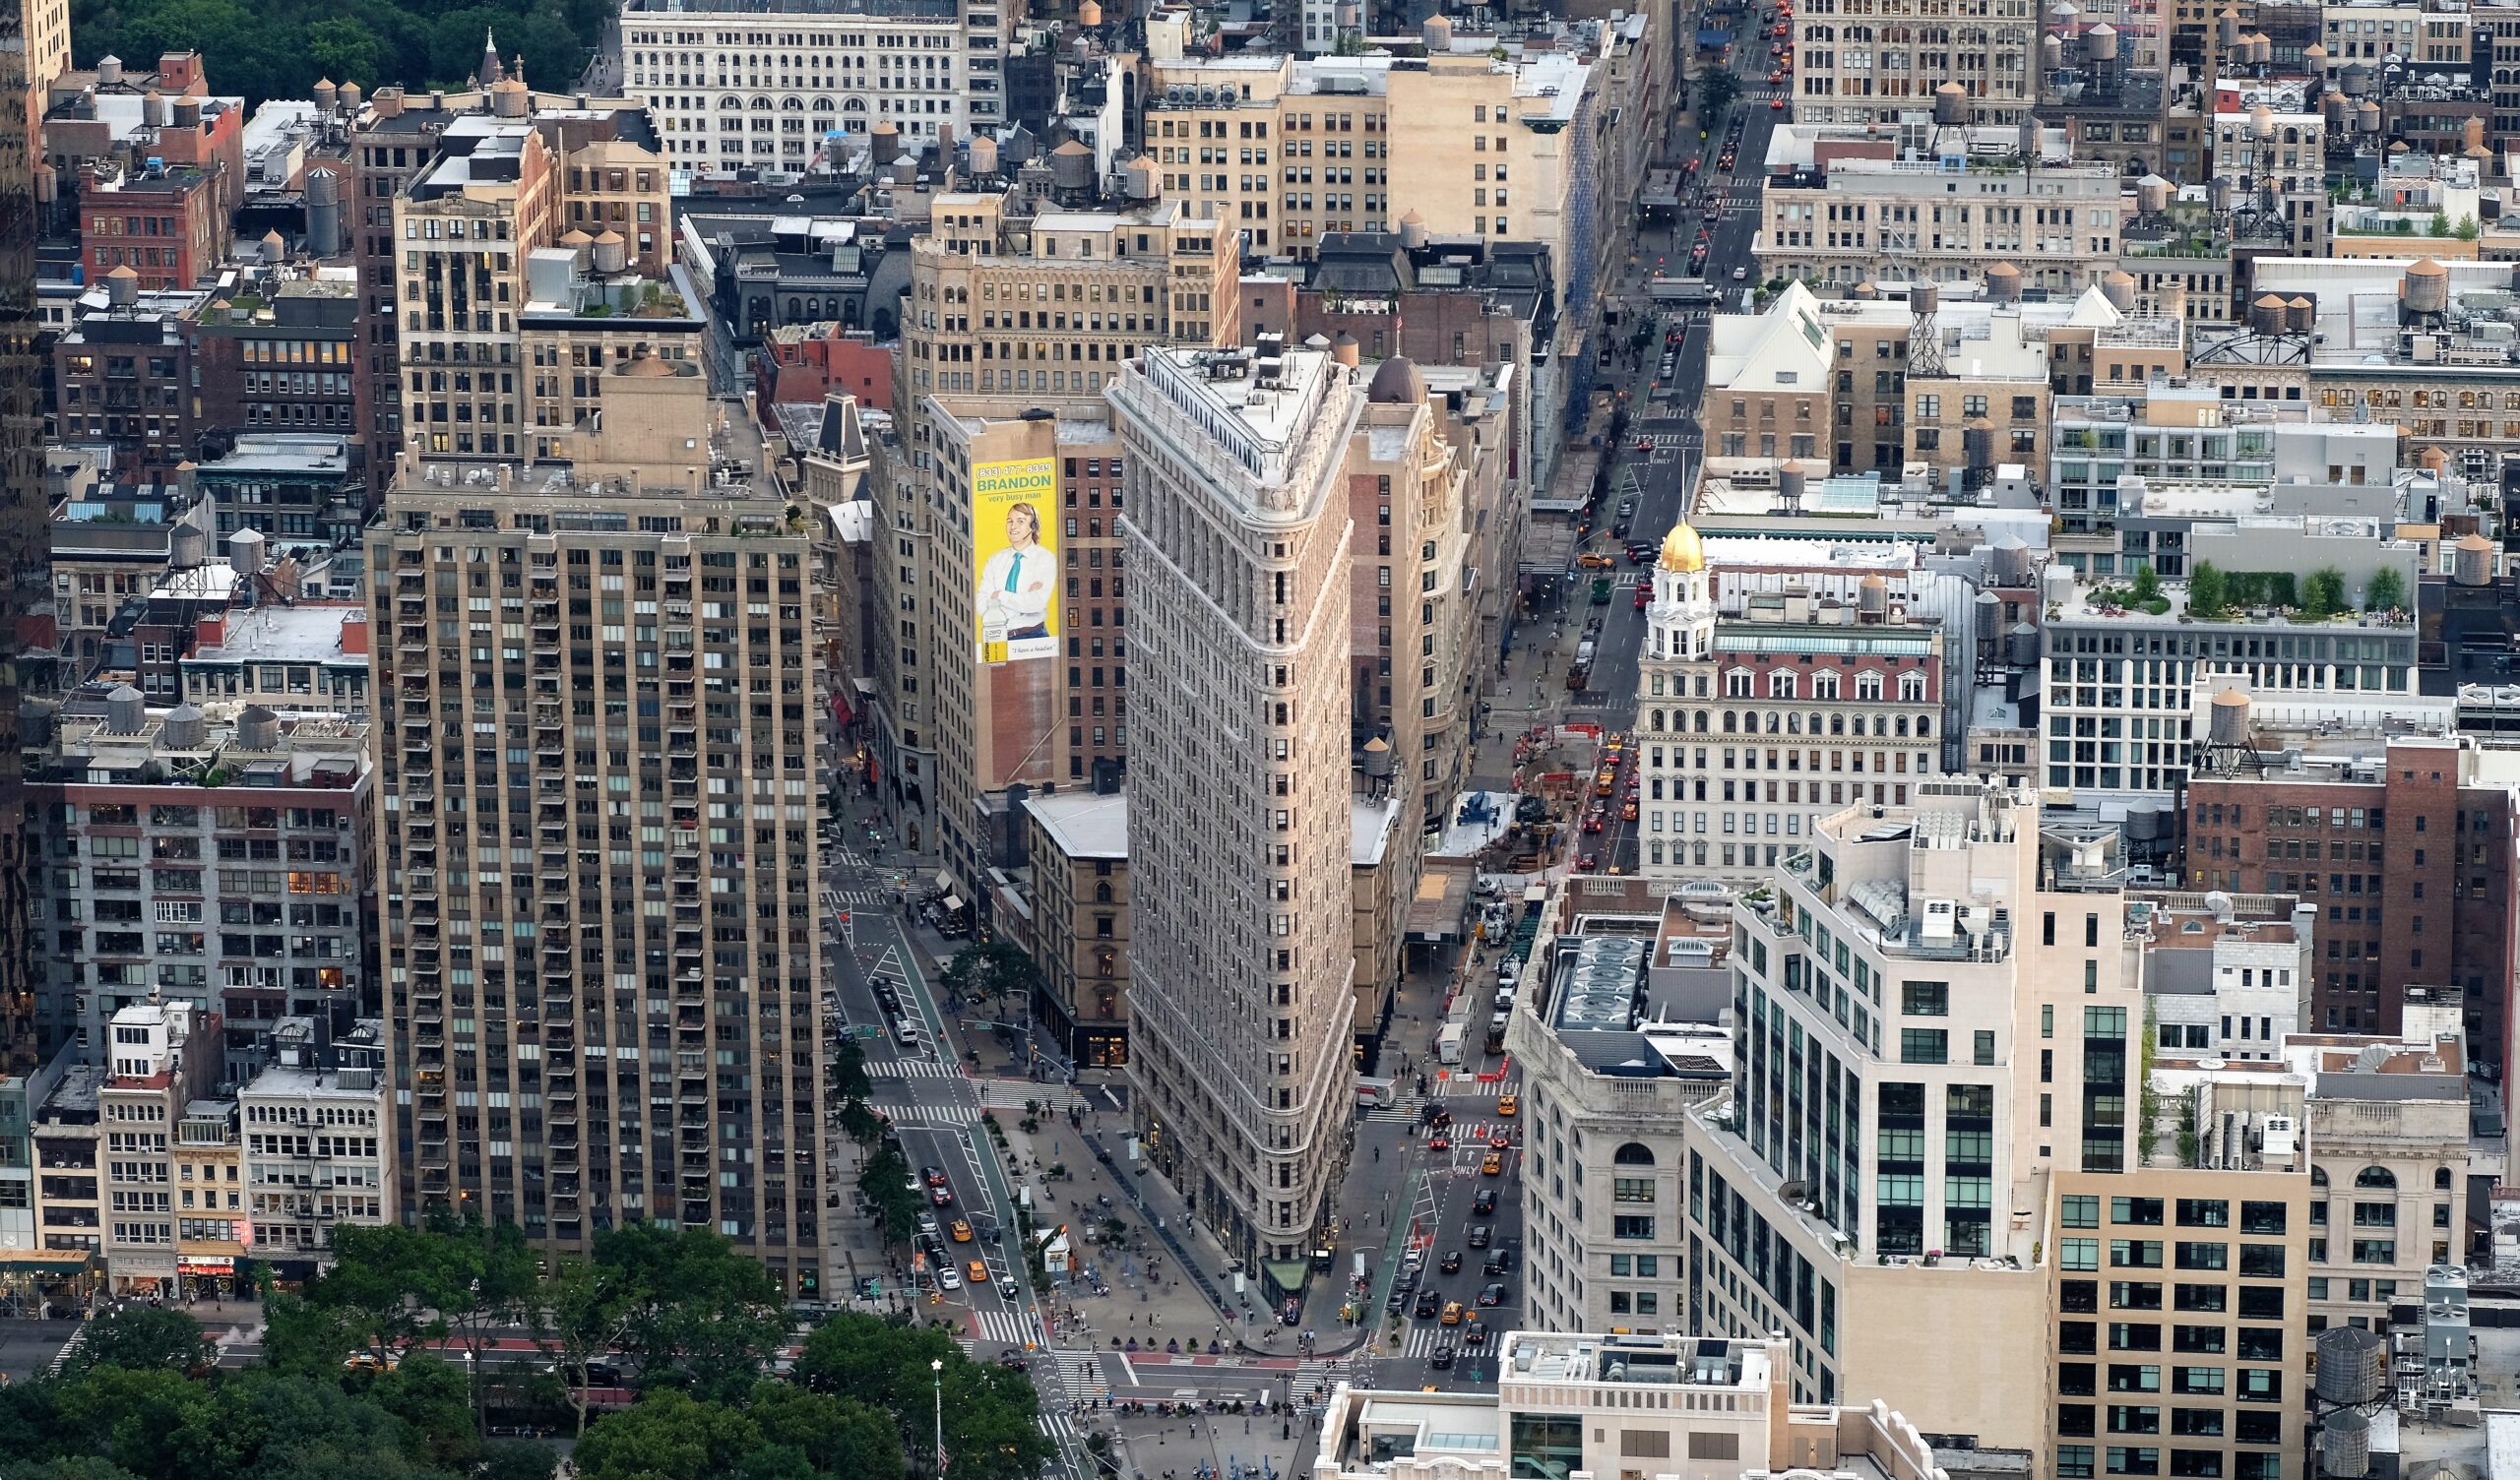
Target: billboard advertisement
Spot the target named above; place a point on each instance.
(1015, 553)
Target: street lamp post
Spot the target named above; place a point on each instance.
(937, 1367)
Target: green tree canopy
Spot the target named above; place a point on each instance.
(696, 1313)
(2323, 594)
(2387, 590)
(140, 1337)
(2207, 593)
(668, 1435)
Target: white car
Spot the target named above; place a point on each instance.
(947, 1277)
(1740, 274)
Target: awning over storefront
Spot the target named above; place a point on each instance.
(945, 879)
(1286, 1275)
(23, 1261)
(1714, 39)
(953, 902)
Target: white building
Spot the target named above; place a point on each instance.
(1702, 1408)
(318, 1148)
(160, 1057)
(1758, 722)
(2220, 986)
(737, 85)
(1241, 947)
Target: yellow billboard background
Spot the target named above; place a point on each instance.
(1015, 559)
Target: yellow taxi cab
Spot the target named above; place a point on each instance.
(1493, 1166)
(1507, 1104)
(962, 1231)
(1452, 1312)
(977, 1271)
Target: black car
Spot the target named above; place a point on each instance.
(1451, 1264)
(1478, 1235)
(1428, 1303)
(1441, 1358)
(1500, 1262)
(1493, 1294)
(1397, 1302)
(1485, 1202)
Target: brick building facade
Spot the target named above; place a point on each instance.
(2407, 861)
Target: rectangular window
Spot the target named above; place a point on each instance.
(1924, 1045)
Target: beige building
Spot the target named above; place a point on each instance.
(596, 169)
(1241, 818)
(598, 835)
(1010, 313)
(1606, 1105)
(1284, 150)
(1861, 218)
(1892, 58)
(1748, 746)
(1964, 985)
(1606, 1403)
(2387, 1129)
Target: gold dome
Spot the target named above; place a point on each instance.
(1682, 551)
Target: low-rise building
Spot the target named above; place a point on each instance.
(318, 1142)
(1851, 205)
(1078, 846)
(159, 1058)
(1619, 1404)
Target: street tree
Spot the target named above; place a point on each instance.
(696, 1314)
(1716, 88)
(993, 970)
(580, 1315)
(668, 1435)
(141, 1338)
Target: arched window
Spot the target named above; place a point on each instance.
(1633, 1153)
(822, 106)
(1658, 719)
(791, 104)
(1701, 723)
(2318, 1176)
(1731, 722)
(2376, 1177)
(2441, 1179)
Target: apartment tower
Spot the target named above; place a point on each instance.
(26, 44)
(1240, 949)
(596, 759)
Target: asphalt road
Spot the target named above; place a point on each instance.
(1664, 448)
(934, 1109)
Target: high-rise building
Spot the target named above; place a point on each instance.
(1940, 1137)
(987, 377)
(34, 41)
(595, 745)
(599, 168)
(1240, 813)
